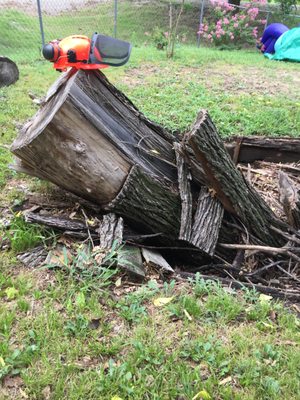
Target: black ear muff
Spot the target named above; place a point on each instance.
(50, 51)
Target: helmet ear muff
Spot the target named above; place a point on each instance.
(51, 51)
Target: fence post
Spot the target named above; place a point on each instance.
(200, 19)
(41, 21)
(115, 18)
(267, 19)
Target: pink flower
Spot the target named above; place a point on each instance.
(209, 36)
(236, 25)
(254, 32)
(226, 21)
(253, 12)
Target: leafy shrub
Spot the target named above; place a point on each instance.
(160, 38)
(288, 6)
(227, 26)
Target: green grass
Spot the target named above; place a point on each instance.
(92, 349)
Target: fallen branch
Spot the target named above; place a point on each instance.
(264, 249)
(277, 293)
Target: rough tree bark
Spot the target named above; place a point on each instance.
(234, 192)
(289, 198)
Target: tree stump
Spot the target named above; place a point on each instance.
(89, 139)
(9, 72)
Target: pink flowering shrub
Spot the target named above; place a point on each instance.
(227, 25)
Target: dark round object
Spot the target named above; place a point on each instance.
(48, 51)
(9, 72)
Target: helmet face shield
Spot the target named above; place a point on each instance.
(109, 51)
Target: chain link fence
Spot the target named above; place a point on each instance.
(141, 22)
(226, 24)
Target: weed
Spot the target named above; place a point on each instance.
(83, 266)
(223, 306)
(185, 306)
(23, 305)
(204, 287)
(78, 327)
(131, 311)
(169, 288)
(23, 236)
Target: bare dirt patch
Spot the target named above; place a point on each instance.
(235, 79)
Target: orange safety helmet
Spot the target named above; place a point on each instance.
(80, 52)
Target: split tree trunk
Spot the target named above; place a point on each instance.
(91, 140)
(234, 192)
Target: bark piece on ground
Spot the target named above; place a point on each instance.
(60, 223)
(33, 258)
(130, 260)
(155, 259)
(289, 198)
(207, 222)
(110, 231)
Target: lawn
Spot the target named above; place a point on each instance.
(65, 337)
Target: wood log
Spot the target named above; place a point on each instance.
(60, 223)
(91, 140)
(88, 135)
(257, 148)
(234, 192)
(9, 72)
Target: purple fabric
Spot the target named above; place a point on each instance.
(270, 36)
(269, 46)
